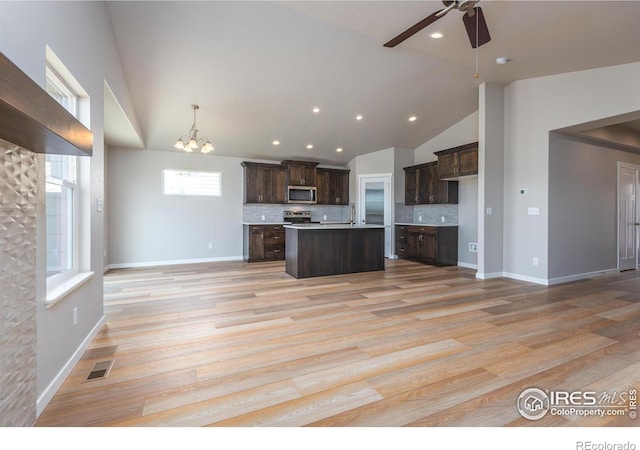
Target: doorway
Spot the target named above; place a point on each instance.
(628, 217)
(374, 197)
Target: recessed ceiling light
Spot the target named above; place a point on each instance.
(339, 149)
(502, 60)
(359, 117)
(413, 119)
(316, 110)
(436, 35)
(276, 142)
(309, 147)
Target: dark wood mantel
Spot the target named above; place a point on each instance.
(31, 118)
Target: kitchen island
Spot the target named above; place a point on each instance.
(314, 250)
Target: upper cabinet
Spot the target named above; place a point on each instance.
(423, 186)
(333, 186)
(300, 173)
(264, 183)
(458, 162)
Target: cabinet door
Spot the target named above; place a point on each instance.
(468, 162)
(323, 180)
(295, 175)
(309, 175)
(256, 245)
(429, 250)
(414, 246)
(277, 189)
(447, 165)
(410, 186)
(342, 188)
(433, 185)
(254, 185)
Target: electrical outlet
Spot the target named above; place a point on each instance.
(535, 261)
(210, 245)
(324, 217)
(473, 247)
(263, 218)
(75, 316)
(442, 219)
(419, 218)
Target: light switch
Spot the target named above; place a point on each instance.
(489, 211)
(534, 211)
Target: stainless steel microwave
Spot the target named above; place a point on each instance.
(301, 194)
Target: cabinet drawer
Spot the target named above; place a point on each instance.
(255, 228)
(274, 252)
(273, 238)
(273, 228)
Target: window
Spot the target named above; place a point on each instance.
(61, 193)
(191, 182)
(67, 183)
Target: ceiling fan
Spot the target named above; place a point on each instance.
(473, 19)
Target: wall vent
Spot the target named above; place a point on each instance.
(100, 370)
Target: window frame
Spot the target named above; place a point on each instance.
(61, 85)
(218, 187)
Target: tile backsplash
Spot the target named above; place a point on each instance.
(273, 213)
(429, 213)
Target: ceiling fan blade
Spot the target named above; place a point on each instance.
(470, 24)
(414, 29)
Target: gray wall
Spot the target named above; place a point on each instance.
(147, 227)
(533, 108)
(88, 50)
(582, 206)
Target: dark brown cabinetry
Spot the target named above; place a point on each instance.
(402, 241)
(264, 183)
(263, 243)
(300, 173)
(333, 186)
(423, 186)
(427, 244)
(458, 162)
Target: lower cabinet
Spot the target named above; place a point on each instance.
(263, 242)
(428, 244)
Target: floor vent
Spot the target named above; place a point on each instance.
(100, 370)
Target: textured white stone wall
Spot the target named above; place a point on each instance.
(17, 286)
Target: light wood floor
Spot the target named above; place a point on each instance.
(236, 344)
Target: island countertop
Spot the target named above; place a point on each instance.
(330, 226)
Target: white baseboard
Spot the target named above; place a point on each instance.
(44, 398)
(580, 276)
(488, 276)
(172, 262)
(468, 265)
(514, 276)
(528, 279)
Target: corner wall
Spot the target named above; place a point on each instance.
(533, 108)
(89, 51)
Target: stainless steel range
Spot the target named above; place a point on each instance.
(297, 216)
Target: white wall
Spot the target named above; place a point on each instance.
(141, 218)
(80, 34)
(533, 108)
(463, 132)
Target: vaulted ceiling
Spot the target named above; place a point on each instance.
(257, 69)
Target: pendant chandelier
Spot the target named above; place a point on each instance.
(193, 142)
